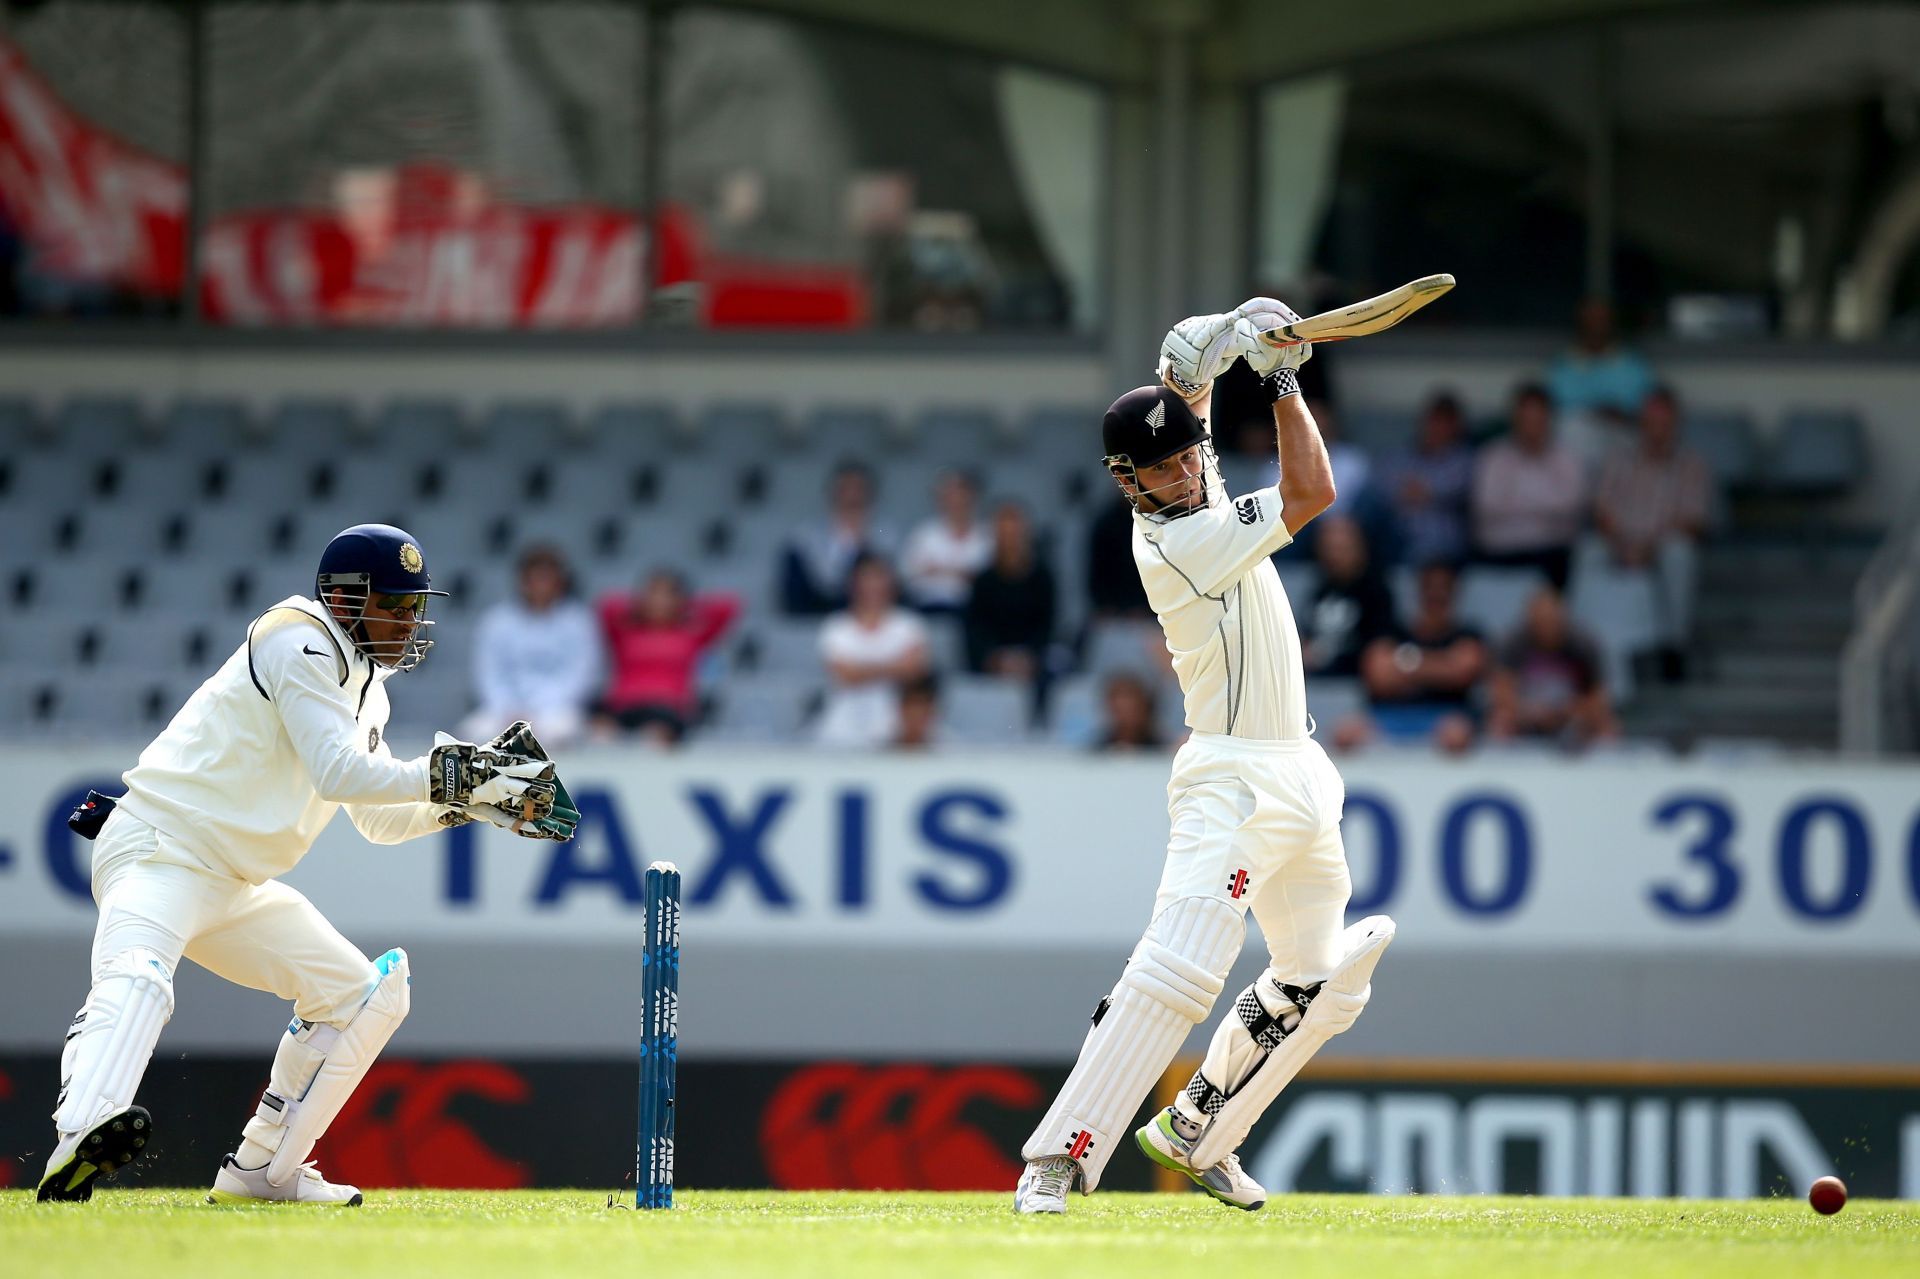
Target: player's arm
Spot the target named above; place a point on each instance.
(1306, 473)
(297, 667)
(396, 823)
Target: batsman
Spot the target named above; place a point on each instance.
(226, 799)
(1254, 803)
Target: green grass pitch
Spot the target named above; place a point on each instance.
(524, 1235)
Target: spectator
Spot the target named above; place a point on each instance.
(870, 650)
(1351, 607)
(1352, 468)
(1547, 682)
(1430, 484)
(817, 562)
(1113, 583)
(655, 639)
(1651, 510)
(1131, 724)
(1009, 617)
(945, 551)
(1598, 374)
(1421, 680)
(918, 725)
(537, 657)
(1529, 493)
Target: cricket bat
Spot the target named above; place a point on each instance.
(1358, 320)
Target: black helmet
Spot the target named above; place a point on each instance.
(378, 559)
(1148, 425)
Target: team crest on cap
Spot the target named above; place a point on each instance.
(410, 557)
(1157, 416)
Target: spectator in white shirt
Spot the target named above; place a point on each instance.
(870, 651)
(945, 551)
(536, 657)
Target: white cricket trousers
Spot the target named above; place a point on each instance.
(1257, 823)
(153, 893)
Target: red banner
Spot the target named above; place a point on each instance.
(419, 245)
(94, 210)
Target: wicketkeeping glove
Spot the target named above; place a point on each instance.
(462, 774)
(1266, 315)
(517, 739)
(1199, 348)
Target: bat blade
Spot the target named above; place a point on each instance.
(1360, 319)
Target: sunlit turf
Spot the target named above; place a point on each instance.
(523, 1235)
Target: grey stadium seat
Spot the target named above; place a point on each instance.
(21, 426)
(1727, 441)
(527, 425)
(1818, 453)
(760, 709)
(963, 436)
(864, 431)
(1620, 611)
(1074, 711)
(93, 425)
(312, 429)
(740, 432)
(634, 430)
(418, 430)
(1492, 600)
(984, 710)
(207, 427)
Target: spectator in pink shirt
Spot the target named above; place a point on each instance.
(655, 639)
(1529, 493)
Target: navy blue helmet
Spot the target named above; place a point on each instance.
(384, 566)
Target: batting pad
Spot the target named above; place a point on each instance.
(128, 1007)
(317, 1067)
(1170, 984)
(1352, 978)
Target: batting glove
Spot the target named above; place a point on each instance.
(1199, 348)
(1265, 315)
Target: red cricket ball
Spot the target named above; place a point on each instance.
(1827, 1195)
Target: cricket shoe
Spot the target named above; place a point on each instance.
(236, 1185)
(1044, 1184)
(1226, 1181)
(109, 1145)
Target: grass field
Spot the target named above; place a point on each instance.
(525, 1235)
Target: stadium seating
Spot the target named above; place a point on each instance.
(171, 523)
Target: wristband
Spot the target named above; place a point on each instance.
(1281, 383)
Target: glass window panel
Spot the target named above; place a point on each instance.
(424, 164)
(1764, 158)
(821, 178)
(93, 155)
(1470, 159)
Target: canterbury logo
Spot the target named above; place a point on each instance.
(910, 1126)
(1249, 509)
(1156, 417)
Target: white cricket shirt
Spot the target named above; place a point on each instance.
(1229, 627)
(290, 729)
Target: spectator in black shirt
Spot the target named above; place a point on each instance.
(1350, 609)
(1009, 616)
(1113, 583)
(1421, 680)
(1548, 682)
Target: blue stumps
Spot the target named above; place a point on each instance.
(659, 1038)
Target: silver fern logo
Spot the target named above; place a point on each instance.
(1156, 417)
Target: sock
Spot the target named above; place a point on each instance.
(252, 1156)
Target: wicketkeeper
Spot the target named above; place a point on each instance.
(1254, 801)
(230, 796)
